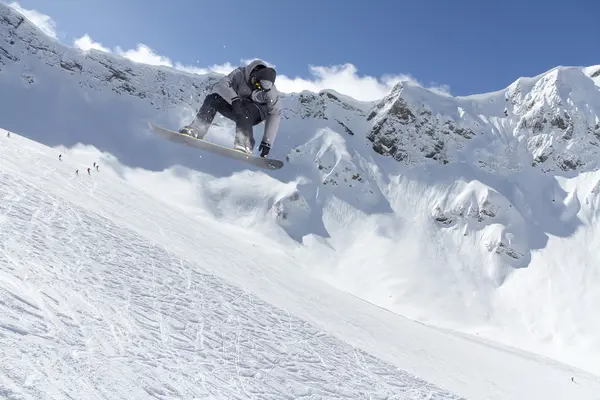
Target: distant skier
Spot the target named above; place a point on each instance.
(77, 172)
(247, 96)
(89, 171)
(7, 134)
(97, 168)
(60, 157)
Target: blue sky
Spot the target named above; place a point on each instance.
(470, 46)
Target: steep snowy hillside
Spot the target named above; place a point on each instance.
(474, 213)
(106, 292)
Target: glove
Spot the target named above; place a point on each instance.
(264, 149)
(238, 106)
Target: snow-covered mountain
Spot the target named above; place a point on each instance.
(472, 213)
(107, 292)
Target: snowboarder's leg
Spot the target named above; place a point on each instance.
(212, 104)
(244, 135)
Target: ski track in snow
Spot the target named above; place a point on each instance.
(90, 309)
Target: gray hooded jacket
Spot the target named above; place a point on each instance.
(237, 84)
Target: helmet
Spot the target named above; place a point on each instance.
(263, 78)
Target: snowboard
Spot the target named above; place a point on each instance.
(265, 163)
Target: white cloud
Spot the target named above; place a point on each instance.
(346, 80)
(443, 90)
(145, 55)
(42, 21)
(246, 61)
(86, 43)
(341, 78)
(223, 69)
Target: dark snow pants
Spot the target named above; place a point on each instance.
(214, 103)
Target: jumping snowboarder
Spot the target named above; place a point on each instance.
(247, 96)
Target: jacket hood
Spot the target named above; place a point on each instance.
(250, 67)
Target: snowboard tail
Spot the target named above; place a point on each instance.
(265, 163)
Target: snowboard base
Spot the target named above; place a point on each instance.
(265, 163)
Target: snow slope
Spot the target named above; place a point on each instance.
(107, 292)
(475, 213)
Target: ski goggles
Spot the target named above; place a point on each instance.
(263, 85)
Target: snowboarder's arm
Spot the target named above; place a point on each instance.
(226, 87)
(272, 124)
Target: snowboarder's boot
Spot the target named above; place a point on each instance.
(188, 131)
(244, 140)
(195, 129)
(242, 148)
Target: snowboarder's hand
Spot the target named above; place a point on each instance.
(264, 149)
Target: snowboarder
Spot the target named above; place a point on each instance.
(247, 96)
